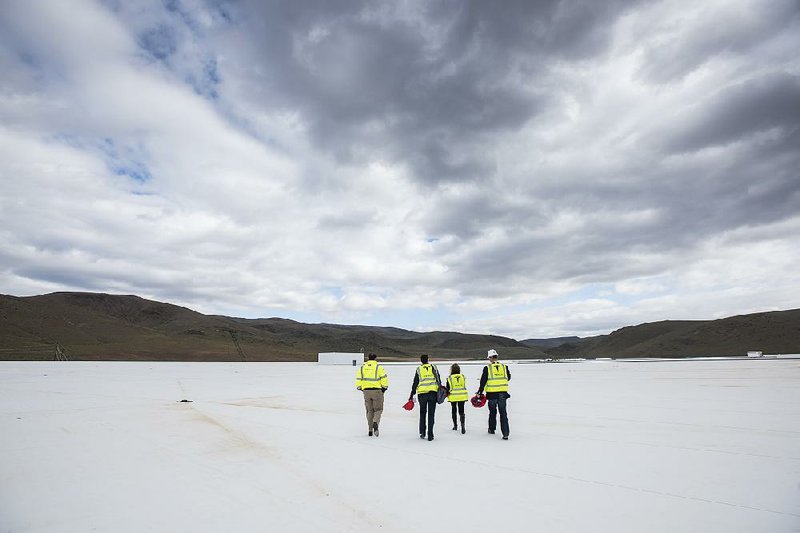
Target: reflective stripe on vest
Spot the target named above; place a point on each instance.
(373, 382)
(427, 379)
(458, 388)
(498, 380)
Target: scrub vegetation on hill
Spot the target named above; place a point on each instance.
(92, 326)
(95, 326)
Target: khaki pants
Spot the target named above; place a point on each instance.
(373, 401)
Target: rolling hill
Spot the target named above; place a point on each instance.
(91, 326)
(771, 332)
(544, 344)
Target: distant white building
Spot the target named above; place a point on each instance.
(755, 353)
(340, 358)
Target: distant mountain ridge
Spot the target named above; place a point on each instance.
(771, 332)
(99, 326)
(549, 343)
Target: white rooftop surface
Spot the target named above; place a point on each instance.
(707, 446)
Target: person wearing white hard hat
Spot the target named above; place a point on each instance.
(495, 380)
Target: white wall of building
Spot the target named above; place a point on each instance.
(340, 358)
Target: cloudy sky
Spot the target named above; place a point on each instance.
(524, 168)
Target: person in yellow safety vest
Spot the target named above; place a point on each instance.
(495, 379)
(426, 386)
(372, 380)
(457, 394)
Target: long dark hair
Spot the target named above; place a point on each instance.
(455, 369)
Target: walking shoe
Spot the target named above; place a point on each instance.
(422, 435)
(370, 433)
(454, 427)
(505, 437)
(375, 428)
(430, 436)
(491, 431)
(463, 430)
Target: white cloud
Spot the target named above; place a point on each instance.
(186, 154)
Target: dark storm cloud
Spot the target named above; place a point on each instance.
(68, 278)
(463, 217)
(427, 89)
(598, 253)
(571, 29)
(656, 202)
(627, 227)
(765, 103)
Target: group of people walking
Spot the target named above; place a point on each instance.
(372, 380)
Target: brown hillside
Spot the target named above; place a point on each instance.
(772, 332)
(111, 327)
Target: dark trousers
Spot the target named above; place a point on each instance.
(460, 407)
(496, 404)
(427, 406)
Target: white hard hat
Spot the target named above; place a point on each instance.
(491, 353)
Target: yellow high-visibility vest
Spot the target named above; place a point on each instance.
(371, 375)
(498, 378)
(458, 388)
(427, 379)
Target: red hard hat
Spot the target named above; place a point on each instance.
(478, 400)
(409, 405)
